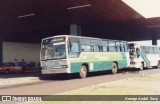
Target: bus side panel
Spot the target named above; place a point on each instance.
(145, 59)
(102, 65)
(153, 59)
(75, 67)
(97, 66)
(107, 65)
(99, 62)
(124, 61)
(127, 59)
(150, 59)
(122, 64)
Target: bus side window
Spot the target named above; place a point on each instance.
(125, 47)
(157, 51)
(108, 49)
(92, 49)
(118, 45)
(82, 48)
(112, 46)
(105, 49)
(122, 48)
(104, 45)
(85, 45)
(74, 49)
(95, 43)
(88, 49)
(96, 48)
(100, 48)
(118, 49)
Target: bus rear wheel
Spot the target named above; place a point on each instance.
(83, 72)
(114, 68)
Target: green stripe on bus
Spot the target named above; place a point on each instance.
(100, 61)
(145, 60)
(100, 57)
(97, 66)
(148, 62)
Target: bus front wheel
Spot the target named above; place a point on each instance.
(83, 71)
(114, 68)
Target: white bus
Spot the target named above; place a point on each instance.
(143, 56)
(79, 54)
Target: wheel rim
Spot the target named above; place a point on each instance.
(83, 72)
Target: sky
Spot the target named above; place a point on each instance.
(147, 8)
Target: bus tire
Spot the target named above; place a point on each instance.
(83, 71)
(142, 66)
(114, 68)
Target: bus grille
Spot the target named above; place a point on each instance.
(51, 64)
(43, 54)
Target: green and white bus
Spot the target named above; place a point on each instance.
(79, 54)
(143, 56)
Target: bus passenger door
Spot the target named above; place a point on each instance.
(137, 52)
(140, 59)
(73, 47)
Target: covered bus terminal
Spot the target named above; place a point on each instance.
(23, 23)
(28, 21)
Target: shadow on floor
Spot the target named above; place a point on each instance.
(92, 74)
(35, 73)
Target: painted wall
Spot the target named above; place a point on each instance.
(29, 52)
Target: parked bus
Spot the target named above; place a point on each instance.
(79, 54)
(143, 56)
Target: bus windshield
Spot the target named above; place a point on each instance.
(53, 49)
(59, 50)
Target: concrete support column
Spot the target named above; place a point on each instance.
(1, 49)
(154, 39)
(5, 11)
(75, 29)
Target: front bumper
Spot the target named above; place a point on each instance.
(137, 65)
(53, 71)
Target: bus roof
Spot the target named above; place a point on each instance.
(80, 37)
(143, 45)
